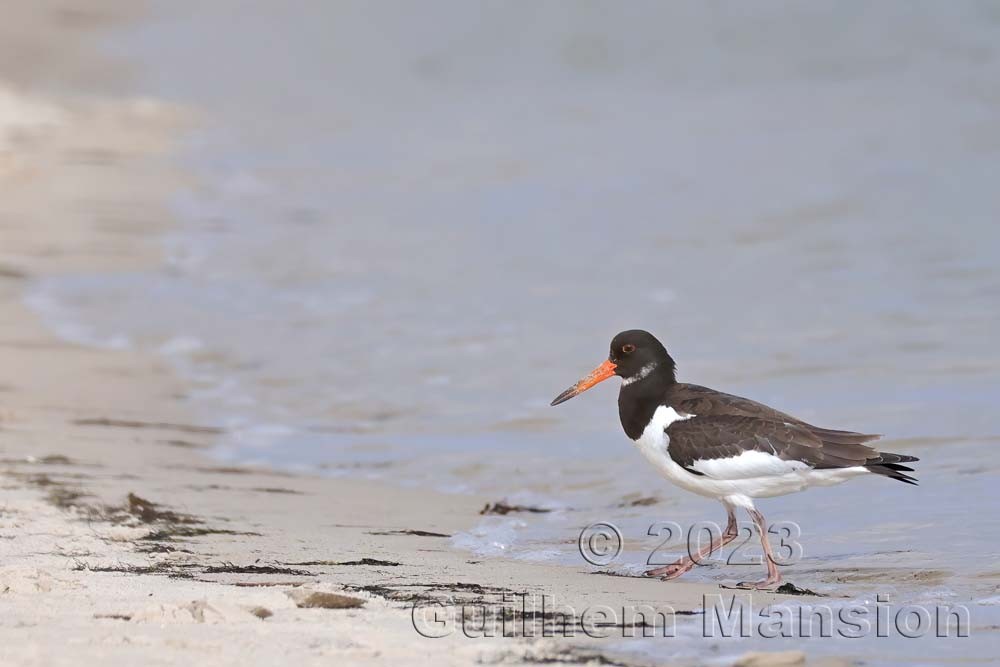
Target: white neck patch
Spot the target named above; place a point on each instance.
(654, 436)
(641, 375)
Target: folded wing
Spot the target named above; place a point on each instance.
(738, 447)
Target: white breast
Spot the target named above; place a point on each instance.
(653, 444)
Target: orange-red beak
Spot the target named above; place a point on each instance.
(599, 374)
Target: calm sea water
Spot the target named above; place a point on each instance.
(413, 224)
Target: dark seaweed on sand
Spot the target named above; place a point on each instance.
(503, 508)
(230, 568)
(418, 533)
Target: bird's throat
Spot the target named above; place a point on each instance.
(638, 401)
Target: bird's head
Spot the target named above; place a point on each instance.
(635, 355)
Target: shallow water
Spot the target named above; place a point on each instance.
(412, 227)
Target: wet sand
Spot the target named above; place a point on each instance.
(122, 539)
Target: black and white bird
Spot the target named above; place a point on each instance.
(726, 447)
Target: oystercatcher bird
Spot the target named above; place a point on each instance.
(726, 447)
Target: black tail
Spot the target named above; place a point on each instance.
(889, 465)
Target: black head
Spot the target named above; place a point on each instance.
(637, 352)
(635, 355)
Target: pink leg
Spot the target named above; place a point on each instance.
(773, 576)
(685, 564)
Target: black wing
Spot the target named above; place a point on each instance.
(725, 425)
(694, 399)
(726, 436)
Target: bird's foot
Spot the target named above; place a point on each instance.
(671, 571)
(763, 585)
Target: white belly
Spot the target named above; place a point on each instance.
(735, 480)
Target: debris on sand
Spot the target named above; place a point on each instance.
(771, 659)
(12, 273)
(114, 617)
(165, 426)
(308, 599)
(52, 460)
(502, 508)
(174, 570)
(641, 501)
(230, 568)
(364, 561)
(789, 588)
(786, 588)
(575, 655)
(618, 573)
(262, 612)
(173, 531)
(185, 444)
(369, 561)
(147, 511)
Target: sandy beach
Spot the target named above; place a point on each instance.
(127, 537)
(122, 542)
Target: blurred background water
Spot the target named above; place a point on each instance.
(412, 224)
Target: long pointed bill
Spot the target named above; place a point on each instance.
(599, 374)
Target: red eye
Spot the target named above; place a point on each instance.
(628, 348)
